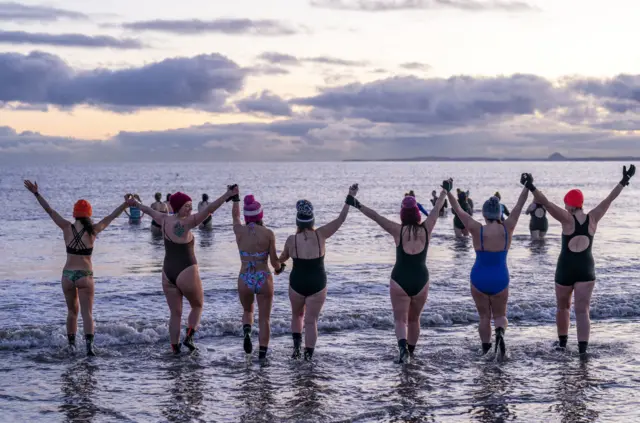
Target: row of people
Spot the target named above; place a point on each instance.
(409, 282)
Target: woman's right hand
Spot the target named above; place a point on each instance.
(353, 190)
(447, 184)
(233, 193)
(32, 187)
(627, 174)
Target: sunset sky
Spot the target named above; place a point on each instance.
(317, 79)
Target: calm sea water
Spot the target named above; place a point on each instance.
(353, 378)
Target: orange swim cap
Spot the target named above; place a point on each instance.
(574, 198)
(82, 208)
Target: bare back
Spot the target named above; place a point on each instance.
(413, 242)
(160, 206)
(176, 230)
(579, 243)
(493, 238)
(76, 262)
(308, 244)
(254, 239)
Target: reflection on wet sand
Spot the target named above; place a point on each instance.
(308, 394)
(490, 398)
(257, 393)
(412, 391)
(78, 389)
(573, 395)
(185, 387)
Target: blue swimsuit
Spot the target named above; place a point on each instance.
(490, 274)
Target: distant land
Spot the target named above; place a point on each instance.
(555, 157)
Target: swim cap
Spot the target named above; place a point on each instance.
(409, 211)
(82, 208)
(304, 210)
(462, 196)
(178, 200)
(252, 209)
(205, 197)
(497, 194)
(158, 196)
(574, 198)
(491, 209)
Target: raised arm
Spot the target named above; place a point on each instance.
(155, 215)
(57, 219)
(232, 191)
(102, 225)
(512, 220)
(599, 212)
(558, 213)
(468, 221)
(332, 227)
(235, 215)
(435, 212)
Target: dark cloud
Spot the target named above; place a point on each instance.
(415, 66)
(265, 103)
(326, 60)
(393, 5)
(619, 94)
(279, 58)
(289, 60)
(267, 70)
(204, 81)
(68, 40)
(262, 27)
(455, 101)
(22, 12)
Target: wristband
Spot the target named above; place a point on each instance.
(352, 201)
(37, 194)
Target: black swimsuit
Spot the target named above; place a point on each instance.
(76, 246)
(308, 276)
(576, 267)
(456, 220)
(177, 257)
(410, 270)
(539, 223)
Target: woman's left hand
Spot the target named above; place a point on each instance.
(32, 187)
(353, 190)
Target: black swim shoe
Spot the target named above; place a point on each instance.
(248, 346)
(89, 340)
(486, 347)
(500, 342)
(175, 348)
(297, 344)
(188, 339)
(308, 353)
(582, 349)
(403, 352)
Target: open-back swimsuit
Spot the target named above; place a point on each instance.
(177, 257)
(490, 274)
(308, 276)
(77, 248)
(252, 278)
(539, 223)
(576, 267)
(410, 270)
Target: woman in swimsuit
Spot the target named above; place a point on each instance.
(168, 204)
(77, 274)
(409, 284)
(490, 275)
(160, 207)
(505, 210)
(257, 245)
(207, 224)
(135, 214)
(308, 279)
(539, 224)
(180, 276)
(575, 271)
(461, 203)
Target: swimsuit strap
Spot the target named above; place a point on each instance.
(506, 238)
(401, 229)
(319, 248)
(76, 243)
(481, 238)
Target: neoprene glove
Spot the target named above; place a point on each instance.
(235, 198)
(627, 174)
(353, 201)
(447, 185)
(526, 179)
(282, 266)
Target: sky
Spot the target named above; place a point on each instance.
(305, 80)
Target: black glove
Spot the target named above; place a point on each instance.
(353, 201)
(627, 174)
(282, 266)
(526, 179)
(447, 185)
(234, 198)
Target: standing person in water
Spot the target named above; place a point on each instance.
(575, 272)
(490, 274)
(503, 208)
(180, 276)
(422, 209)
(409, 284)
(77, 274)
(168, 204)
(434, 200)
(461, 203)
(160, 207)
(208, 222)
(308, 279)
(257, 245)
(539, 224)
(135, 213)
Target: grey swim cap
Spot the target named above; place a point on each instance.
(491, 209)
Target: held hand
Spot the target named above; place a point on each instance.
(526, 179)
(447, 184)
(282, 266)
(32, 187)
(627, 174)
(523, 179)
(353, 190)
(233, 193)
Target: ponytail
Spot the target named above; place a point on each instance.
(87, 225)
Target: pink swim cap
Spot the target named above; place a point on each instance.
(409, 212)
(252, 209)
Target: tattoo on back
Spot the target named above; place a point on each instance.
(179, 230)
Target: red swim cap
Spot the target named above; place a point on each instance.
(574, 198)
(82, 208)
(178, 200)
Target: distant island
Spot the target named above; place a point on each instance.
(555, 157)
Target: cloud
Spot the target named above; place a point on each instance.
(68, 40)
(203, 82)
(265, 103)
(394, 5)
(261, 27)
(289, 60)
(618, 94)
(21, 12)
(415, 66)
(267, 70)
(455, 101)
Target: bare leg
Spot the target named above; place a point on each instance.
(191, 286)
(314, 305)
(483, 304)
(458, 232)
(174, 300)
(400, 302)
(86, 288)
(563, 312)
(499, 308)
(415, 311)
(542, 234)
(246, 296)
(583, 291)
(297, 310)
(535, 235)
(71, 297)
(265, 303)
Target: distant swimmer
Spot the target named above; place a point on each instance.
(422, 209)
(208, 222)
(503, 208)
(434, 199)
(539, 224)
(575, 270)
(77, 274)
(490, 274)
(135, 213)
(160, 207)
(462, 203)
(180, 275)
(470, 201)
(409, 284)
(168, 204)
(257, 246)
(308, 278)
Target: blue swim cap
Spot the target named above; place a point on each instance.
(491, 209)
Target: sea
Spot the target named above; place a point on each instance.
(354, 376)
